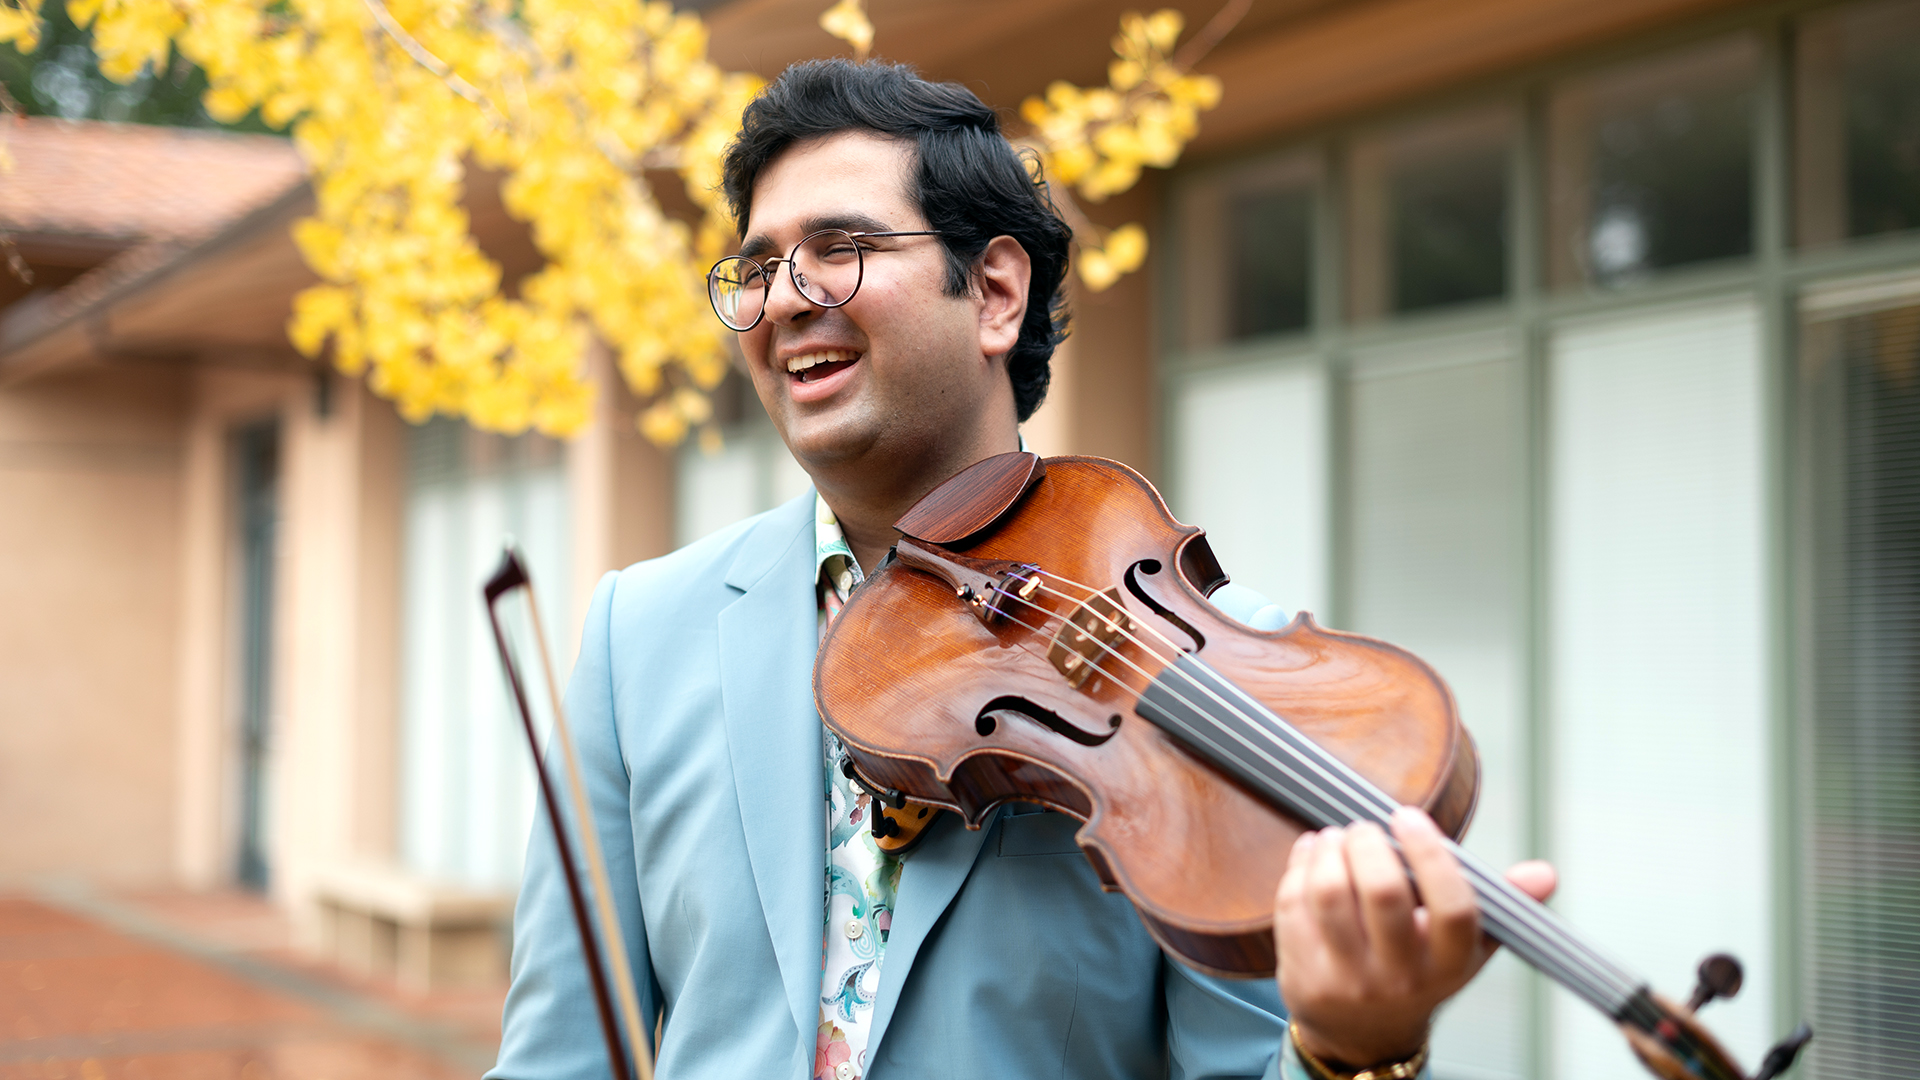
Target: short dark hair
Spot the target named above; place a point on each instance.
(970, 183)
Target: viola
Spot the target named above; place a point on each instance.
(1040, 632)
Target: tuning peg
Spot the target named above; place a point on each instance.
(1780, 1058)
(1720, 977)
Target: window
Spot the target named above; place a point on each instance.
(1860, 362)
(1436, 562)
(1429, 214)
(750, 472)
(1571, 503)
(466, 781)
(1248, 266)
(1658, 698)
(1652, 165)
(1858, 122)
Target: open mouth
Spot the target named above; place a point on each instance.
(815, 366)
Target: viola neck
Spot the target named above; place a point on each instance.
(1222, 723)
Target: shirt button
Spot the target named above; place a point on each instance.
(843, 1071)
(855, 931)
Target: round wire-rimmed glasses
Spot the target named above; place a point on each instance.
(826, 267)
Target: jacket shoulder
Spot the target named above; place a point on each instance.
(700, 570)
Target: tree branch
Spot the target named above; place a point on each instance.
(426, 59)
(1218, 27)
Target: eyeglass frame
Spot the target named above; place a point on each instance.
(767, 268)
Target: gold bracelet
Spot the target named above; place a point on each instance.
(1320, 1070)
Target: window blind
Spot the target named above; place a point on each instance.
(1862, 891)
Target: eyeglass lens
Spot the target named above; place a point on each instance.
(825, 268)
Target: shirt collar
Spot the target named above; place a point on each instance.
(833, 559)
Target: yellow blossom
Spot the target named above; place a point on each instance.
(578, 109)
(1097, 141)
(847, 20)
(1124, 252)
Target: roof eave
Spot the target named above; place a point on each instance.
(44, 336)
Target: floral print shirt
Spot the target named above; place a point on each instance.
(861, 879)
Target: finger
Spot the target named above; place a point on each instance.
(1330, 901)
(1296, 947)
(1385, 899)
(1534, 877)
(1290, 894)
(1453, 912)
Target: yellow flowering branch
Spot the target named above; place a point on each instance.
(574, 105)
(1097, 141)
(390, 101)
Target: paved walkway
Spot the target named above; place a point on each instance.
(164, 986)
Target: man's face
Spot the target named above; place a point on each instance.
(896, 378)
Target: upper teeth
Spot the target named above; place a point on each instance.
(825, 356)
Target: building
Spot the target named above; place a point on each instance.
(1572, 345)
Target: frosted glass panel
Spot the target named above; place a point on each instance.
(715, 490)
(1439, 566)
(1660, 780)
(751, 473)
(1251, 468)
(467, 779)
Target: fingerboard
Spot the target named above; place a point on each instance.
(1249, 742)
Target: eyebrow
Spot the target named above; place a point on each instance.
(760, 244)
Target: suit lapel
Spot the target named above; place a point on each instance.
(931, 878)
(768, 638)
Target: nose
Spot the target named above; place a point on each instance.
(785, 303)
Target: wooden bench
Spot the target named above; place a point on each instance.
(383, 922)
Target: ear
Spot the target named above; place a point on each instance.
(1001, 277)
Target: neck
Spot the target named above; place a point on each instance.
(868, 498)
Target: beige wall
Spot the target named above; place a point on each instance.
(619, 488)
(1103, 399)
(336, 687)
(90, 482)
(336, 658)
(334, 664)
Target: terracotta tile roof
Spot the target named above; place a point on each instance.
(136, 182)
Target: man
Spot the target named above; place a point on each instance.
(897, 306)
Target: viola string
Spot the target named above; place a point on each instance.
(1356, 806)
(1522, 912)
(1554, 940)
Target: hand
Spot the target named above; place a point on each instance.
(1362, 967)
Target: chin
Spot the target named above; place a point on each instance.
(825, 445)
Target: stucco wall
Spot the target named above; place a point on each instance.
(89, 602)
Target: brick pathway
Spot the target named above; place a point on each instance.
(158, 988)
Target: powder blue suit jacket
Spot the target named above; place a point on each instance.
(691, 703)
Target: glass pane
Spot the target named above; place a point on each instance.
(1270, 272)
(1652, 165)
(466, 780)
(1250, 467)
(1658, 652)
(1247, 253)
(1429, 222)
(1857, 162)
(1438, 564)
(1862, 407)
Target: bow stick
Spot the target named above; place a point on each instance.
(511, 576)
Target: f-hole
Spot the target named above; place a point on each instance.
(989, 719)
(1152, 566)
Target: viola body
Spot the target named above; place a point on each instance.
(1002, 654)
